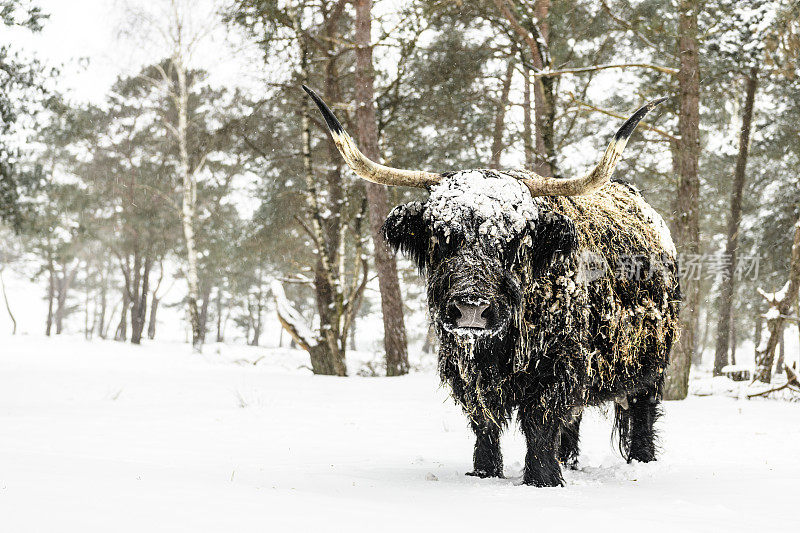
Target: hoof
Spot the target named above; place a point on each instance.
(548, 481)
(571, 465)
(484, 474)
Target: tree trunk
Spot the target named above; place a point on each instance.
(321, 363)
(155, 299)
(430, 339)
(759, 327)
(111, 316)
(220, 336)
(394, 330)
(544, 97)
(686, 154)
(87, 331)
(151, 324)
(62, 292)
(700, 345)
(352, 344)
(527, 126)
(139, 316)
(781, 352)
(134, 285)
(101, 316)
(8, 306)
(60, 311)
(101, 309)
(328, 341)
(122, 328)
(51, 294)
(500, 115)
(204, 314)
(780, 307)
(260, 312)
(734, 219)
(61, 302)
(797, 310)
(255, 318)
(188, 205)
(247, 328)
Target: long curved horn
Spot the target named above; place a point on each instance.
(541, 186)
(361, 165)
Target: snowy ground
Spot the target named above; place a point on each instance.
(102, 436)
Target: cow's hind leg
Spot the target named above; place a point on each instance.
(634, 423)
(487, 460)
(569, 443)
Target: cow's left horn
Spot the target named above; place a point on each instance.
(541, 186)
(364, 167)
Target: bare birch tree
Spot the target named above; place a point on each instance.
(331, 214)
(181, 29)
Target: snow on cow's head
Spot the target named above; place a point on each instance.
(468, 239)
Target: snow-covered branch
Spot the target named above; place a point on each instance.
(291, 319)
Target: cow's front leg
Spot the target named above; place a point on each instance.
(541, 428)
(487, 460)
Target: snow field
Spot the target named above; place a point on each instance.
(99, 436)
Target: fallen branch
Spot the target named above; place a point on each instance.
(291, 319)
(792, 383)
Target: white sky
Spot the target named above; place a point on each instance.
(82, 38)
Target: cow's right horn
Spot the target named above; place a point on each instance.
(601, 174)
(364, 167)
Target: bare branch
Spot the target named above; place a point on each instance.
(578, 70)
(522, 32)
(160, 194)
(627, 25)
(645, 125)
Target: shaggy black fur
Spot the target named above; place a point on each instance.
(634, 424)
(488, 459)
(553, 344)
(569, 445)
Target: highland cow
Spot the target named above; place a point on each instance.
(548, 295)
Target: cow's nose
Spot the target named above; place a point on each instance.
(471, 314)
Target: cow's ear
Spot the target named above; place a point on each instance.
(554, 238)
(405, 230)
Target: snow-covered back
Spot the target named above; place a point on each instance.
(498, 203)
(502, 206)
(655, 220)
